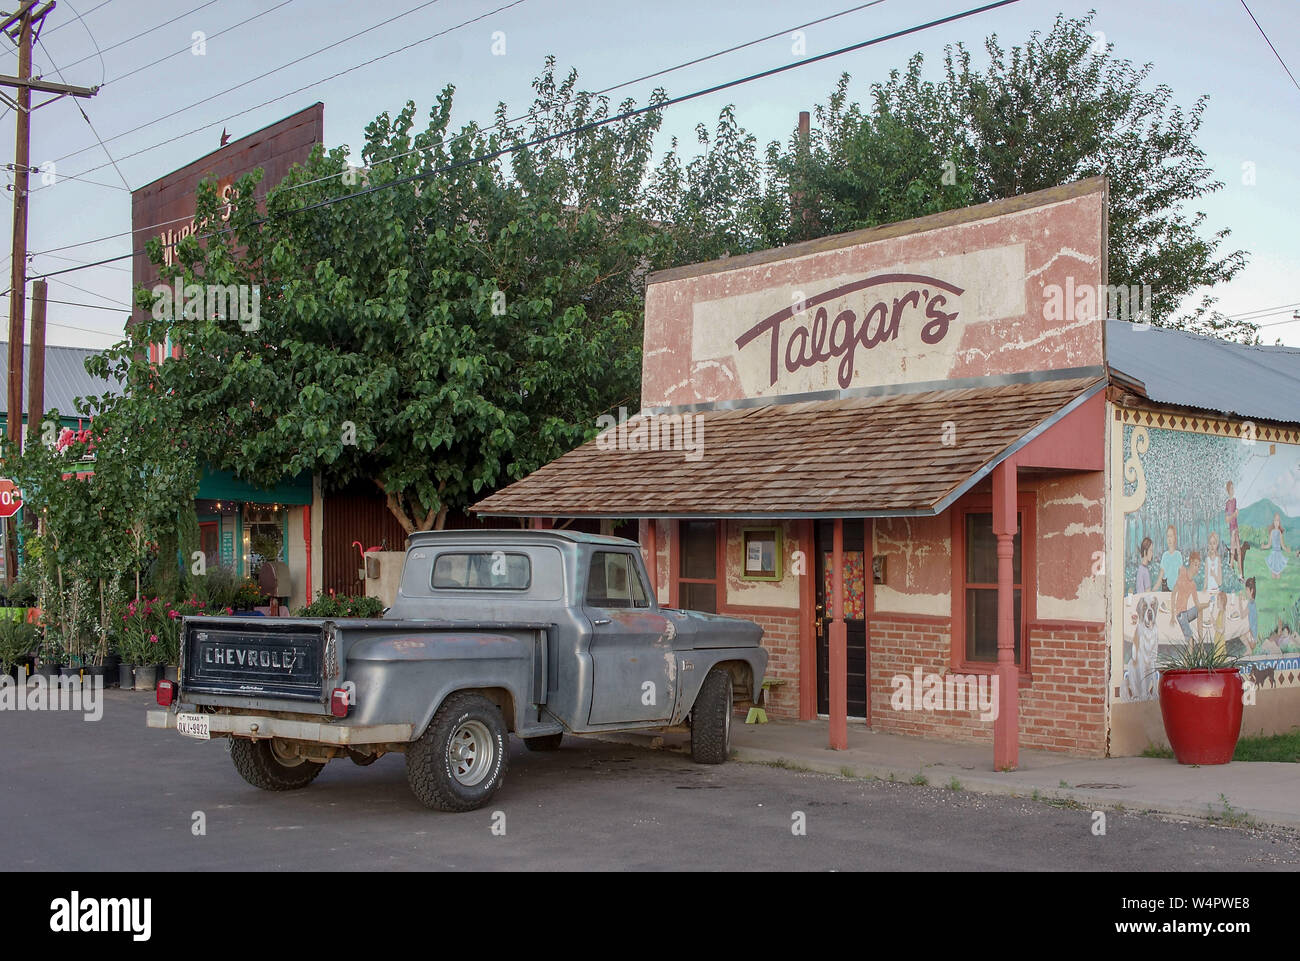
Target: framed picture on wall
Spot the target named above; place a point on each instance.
(761, 548)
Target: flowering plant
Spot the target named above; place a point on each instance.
(151, 630)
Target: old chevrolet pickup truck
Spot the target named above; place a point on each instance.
(539, 633)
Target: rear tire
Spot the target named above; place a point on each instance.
(459, 762)
(259, 765)
(711, 719)
(544, 742)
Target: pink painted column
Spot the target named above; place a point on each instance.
(1006, 728)
(839, 646)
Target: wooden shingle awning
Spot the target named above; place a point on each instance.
(900, 454)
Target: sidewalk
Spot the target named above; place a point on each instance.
(1266, 793)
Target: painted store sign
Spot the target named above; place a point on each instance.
(956, 295)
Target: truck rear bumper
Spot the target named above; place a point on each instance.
(260, 726)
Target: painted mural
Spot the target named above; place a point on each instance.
(1211, 548)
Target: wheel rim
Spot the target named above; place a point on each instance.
(471, 753)
(283, 758)
(726, 727)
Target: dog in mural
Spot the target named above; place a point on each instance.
(1258, 675)
(1140, 673)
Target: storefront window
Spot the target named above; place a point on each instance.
(980, 587)
(698, 570)
(263, 536)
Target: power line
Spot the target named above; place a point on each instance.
(283, 96)
(60, 26)
(262, 76)
(74, 260)
(1270, 45)
(122, 43)
(103, 67)
(447, 141)
(74, 303)
(86, 290)
(85, 116)
(595, 124)
(1262, 311)
(189, 47)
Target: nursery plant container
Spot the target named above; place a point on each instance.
(169, 672)
(70, 670)
(47, 668)
(146, 677)
(1202, 713)
(111, 664)
(126, 676)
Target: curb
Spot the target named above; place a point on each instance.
(983, 783)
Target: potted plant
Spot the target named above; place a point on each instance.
(169, 634)
(140, 643)
(17, 640)
(247, 597)
(1201, 702)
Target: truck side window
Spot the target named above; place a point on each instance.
(615, 581)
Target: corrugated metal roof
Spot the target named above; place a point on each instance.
(1175, 367)
(65, 378)
(854, 457)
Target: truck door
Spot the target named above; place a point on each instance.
(635, 670)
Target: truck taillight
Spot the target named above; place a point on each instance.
(339, 702)
(166, 693)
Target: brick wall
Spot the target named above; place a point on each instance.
(1062, 709)
(781, 641)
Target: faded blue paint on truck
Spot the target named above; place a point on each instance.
(552, 655)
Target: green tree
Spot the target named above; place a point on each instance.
(450, 326)
(104, 503)
(1059, 108)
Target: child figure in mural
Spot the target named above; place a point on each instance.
(1214, 587)
(1186, 605)
(1235, 553)
(1278, 550)
(1146, 553)
(1252, 616)
(1171, 561)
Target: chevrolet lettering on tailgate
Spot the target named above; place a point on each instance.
(273, 661)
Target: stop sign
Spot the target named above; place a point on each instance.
(11, 498)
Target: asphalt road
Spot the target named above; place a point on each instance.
(113, 795)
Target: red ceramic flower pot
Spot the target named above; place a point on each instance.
(1202, 714)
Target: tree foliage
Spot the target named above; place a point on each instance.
(1059, 108)
(460, 311)
(448, 327)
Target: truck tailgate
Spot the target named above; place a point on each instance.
(255, 657)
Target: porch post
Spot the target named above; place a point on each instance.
(1006, 728)
(839, 665)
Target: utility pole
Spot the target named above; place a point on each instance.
(24, 27)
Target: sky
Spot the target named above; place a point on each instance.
(1250, 133)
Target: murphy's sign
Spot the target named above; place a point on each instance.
(954, 295)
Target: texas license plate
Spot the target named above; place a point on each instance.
(193, 725)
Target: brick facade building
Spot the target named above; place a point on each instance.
(908, 453)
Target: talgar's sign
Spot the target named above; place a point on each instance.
(957, 295)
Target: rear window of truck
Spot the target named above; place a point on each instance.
(482, 571)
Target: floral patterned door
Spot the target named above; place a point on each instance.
(855, 608)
